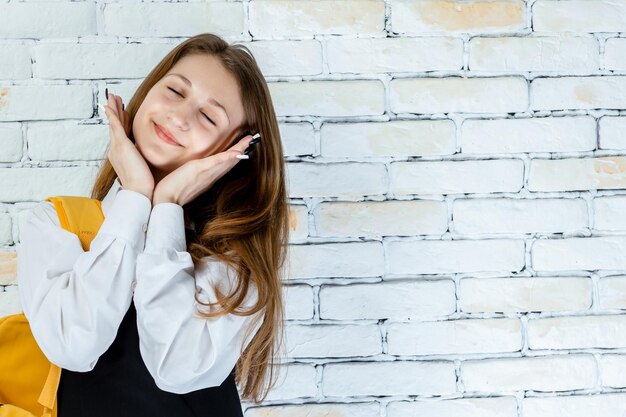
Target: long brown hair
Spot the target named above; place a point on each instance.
(243, 218)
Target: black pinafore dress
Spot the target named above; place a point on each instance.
(121, 386)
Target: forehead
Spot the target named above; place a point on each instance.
(210, 79)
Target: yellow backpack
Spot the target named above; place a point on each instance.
(28, 381)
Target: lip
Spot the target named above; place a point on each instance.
(166, 137)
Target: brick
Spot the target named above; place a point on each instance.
(120, 19)
(615, 54)
(125, 90)
(434, 16)
(381, 218)
(298, 302)
(276, 57)
(455, 337)
(611, 130)
(14, 60)
(8, 268)
(564, 93)
(12, 143)
(590, 253)
(297, 139)
(368, 409)
(388, 378)
(513, 295)
(505, 406)
(396, 138)
(6, 233)
(35, 184)
(328, 98)
(10, 302)
(577, 174)
(442, 257)
(608, 213)
(455, 177)
(294, 381)
(363, 55)
(541, 53)
(612, 370)
(351, 259)
(96, 60)
(577, 332)
(579, 16)
(612, 292)
(333, 341)
(67, 141)
(40, 102)
(581, 405)
(388, 300)
(298, 222)
(47, 20)
(271, 19)
(537, 134)
(458, 95)
(346, 180)
(556, 373)
(504, 215)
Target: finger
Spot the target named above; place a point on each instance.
(114, 122)
(118, 106)
(111, 103)
(122, 114)
(242, 144)
(115, 105)
(118, 102)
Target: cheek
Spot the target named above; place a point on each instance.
(204, 151)
(204, 147)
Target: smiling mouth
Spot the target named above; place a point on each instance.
(161, 134)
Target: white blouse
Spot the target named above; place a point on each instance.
(75, 300)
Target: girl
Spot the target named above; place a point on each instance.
(178, 300)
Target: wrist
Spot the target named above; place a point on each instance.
(158, 198)
(148, 194)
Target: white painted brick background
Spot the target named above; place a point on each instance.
(457, 174)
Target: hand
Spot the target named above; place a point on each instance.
(196, 176)
(129, 165)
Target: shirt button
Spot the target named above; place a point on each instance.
(133, 285)
(145, 227)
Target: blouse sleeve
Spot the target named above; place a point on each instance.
(75, 300)
(183, 352)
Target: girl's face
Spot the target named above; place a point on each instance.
(189, 111)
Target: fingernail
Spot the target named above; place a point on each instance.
(253, 141)
(256, 136)
(122, 106)
(242, 156)
(106, 92)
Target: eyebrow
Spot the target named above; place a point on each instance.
(210, 100)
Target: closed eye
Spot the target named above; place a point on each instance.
(171, 89)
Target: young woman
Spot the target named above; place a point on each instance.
(177, 305)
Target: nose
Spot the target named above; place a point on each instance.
(178, 117)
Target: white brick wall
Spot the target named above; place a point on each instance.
(457, 180)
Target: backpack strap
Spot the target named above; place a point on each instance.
(82, 216)
(48, 395)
